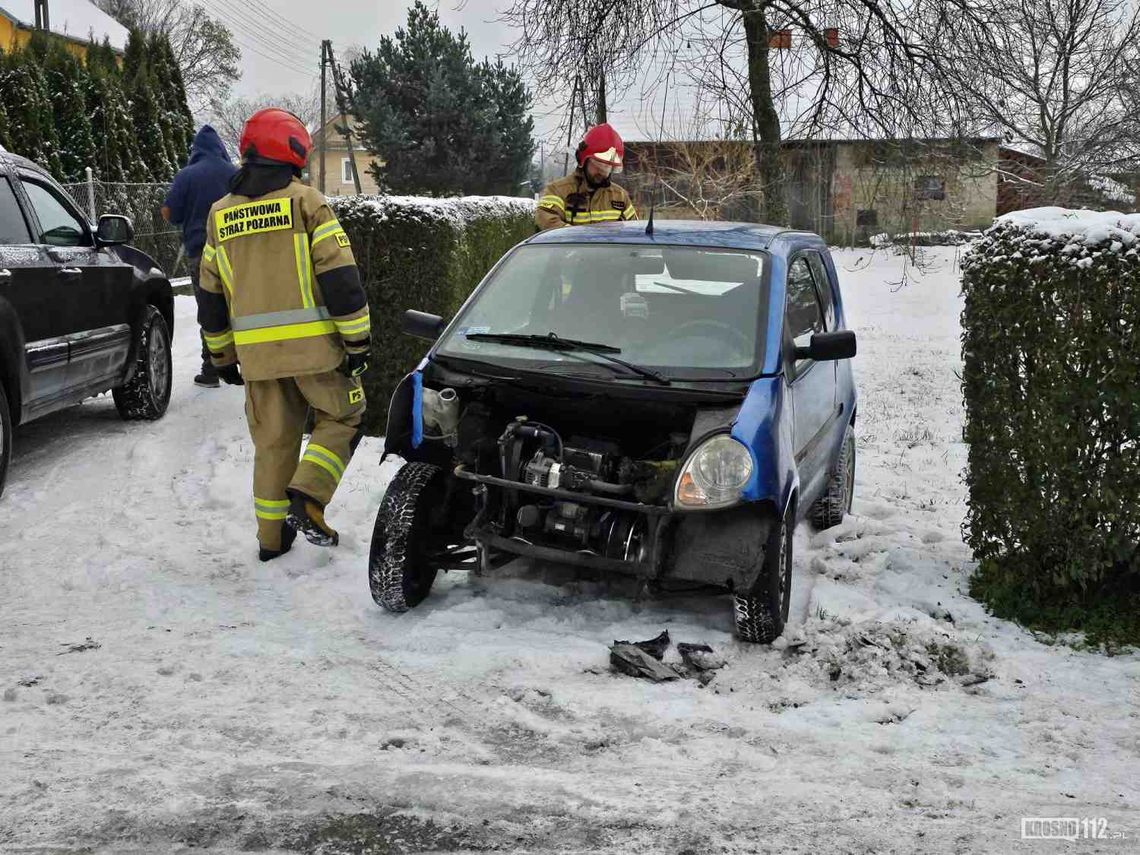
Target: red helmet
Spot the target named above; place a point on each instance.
(603, 144)
(276, 135)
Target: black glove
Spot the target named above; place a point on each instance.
(354, 364)
(231, 374)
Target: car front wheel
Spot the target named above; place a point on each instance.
(147, 394)
(762, 614)
(408, 532)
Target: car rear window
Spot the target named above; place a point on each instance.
(13, 229)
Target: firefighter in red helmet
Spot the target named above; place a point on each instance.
(588, 195)
(285, 314)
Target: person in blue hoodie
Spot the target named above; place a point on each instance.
(197, 186)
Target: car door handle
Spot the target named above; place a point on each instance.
(70, 272)
(5, 275)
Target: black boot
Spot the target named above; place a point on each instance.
(288, 535)
(307, 514)
(208, 377)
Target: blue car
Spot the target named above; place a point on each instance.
(665, 401)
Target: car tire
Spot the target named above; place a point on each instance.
(147, 394)
(407, 525)
(5, 438)
(761, 615)
(830, 508)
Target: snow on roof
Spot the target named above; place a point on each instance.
(75, 19)
(1084, 226)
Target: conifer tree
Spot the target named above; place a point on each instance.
(151, 131)
(31, 123)
(117, 157)
(66, 80)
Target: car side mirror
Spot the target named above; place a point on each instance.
(829, 347)
(114, 230)
(422, 324)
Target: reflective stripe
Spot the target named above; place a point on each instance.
(326, 231)
(208, 252)
(355, 326)
(327, 460)
(270, 509)
(553, 201)
(284, 333)
(304, 269)
(629, 213)
(594, 216)
(217, 341)
(225, 271)
(278, 319)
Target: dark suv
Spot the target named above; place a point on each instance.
(80, 311)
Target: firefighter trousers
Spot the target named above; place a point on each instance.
(277, 411)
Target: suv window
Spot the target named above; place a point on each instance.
(13, 229)
(60, 226)
(824, 283)
(804, 316)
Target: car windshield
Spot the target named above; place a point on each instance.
(684, 311)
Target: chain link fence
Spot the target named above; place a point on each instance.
(143, 204)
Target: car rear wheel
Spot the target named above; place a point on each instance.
(761, 615)
(830, 509)
(147, 394)
(409, 530)
(5, 438)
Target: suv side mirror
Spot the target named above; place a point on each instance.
(114, 230)
(422, 325)
(829, 347)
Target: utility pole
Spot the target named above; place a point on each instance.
(341, 94)
(324, 114)
(42, 22)
(570, 127)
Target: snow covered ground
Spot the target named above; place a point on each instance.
(220, 704)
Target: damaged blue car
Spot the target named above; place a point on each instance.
(666, 402)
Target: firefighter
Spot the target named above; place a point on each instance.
(587, 195)
(284, 302)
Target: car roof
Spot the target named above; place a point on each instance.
(10, 161)
(726, 235)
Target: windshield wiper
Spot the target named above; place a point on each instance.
(552, 342)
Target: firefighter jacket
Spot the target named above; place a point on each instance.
(569, 201)
(281, 291)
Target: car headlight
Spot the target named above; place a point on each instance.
(715, 474)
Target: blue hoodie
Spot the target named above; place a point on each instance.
(197, 186)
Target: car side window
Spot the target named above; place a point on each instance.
(803, 314)
(13, 229)
(826, 296)
(59, 226)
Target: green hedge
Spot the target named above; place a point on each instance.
(1051, 346)
(426, 254)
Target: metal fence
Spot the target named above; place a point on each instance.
(143, 204)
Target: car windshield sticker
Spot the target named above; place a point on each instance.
(254, 218)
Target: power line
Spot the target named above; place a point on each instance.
(273, 14)
(263, 29)
(289, 56)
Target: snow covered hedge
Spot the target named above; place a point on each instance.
(426, 254)
(1051, 345)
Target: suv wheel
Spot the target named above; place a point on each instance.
(761, 615)
(408, 531)
(147, 394)
(5, 437)
(830, 509)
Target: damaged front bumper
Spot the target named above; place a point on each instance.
(723, 548)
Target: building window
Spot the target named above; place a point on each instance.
(929, 187)
(346, 170)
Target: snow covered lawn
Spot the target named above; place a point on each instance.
(162, 689)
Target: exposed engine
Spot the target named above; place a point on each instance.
(534, 453)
